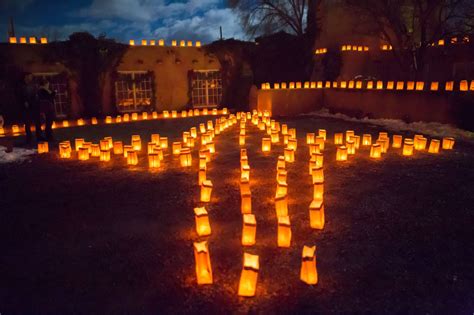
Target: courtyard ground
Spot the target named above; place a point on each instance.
(90, 238)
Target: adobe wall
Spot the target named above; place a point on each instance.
(409, 106)
(171, 66)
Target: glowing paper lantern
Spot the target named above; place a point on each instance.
(202, 161)
(153, 160)
(174, 114)
(266, 144)
(281, 175)
(292, 133)
(434, 146)
(376, 151)
(341, 154)
(126, 150)
(43, 147)
(249, 276)
(281, 205)
(88, 146)
(211, 147)
(164, 142)
(132, 157)
(241, 139)
(64, 150)
(104, 144)
(185, 157)
(449, 86)
(366, 139)
(205, 153)
(246, 200)
(15, 129)
(448, 143)
(309, 273)
(249, 230)
(310, 138)
(350, 147)
(282, 188)
(397, 141)
(244, 186)
(292, 143)
(201, 175)
(118, 148)
(95, 150)
(356, 140)
(105, 155)
(349, 134)
(284, 231)
(108, 120)
(83, 154)
(316, 214)
(275, 136)
(203, 228)
(420, 144)
(319, 140)
(319, 158)
(384, 144)
(289, 155)
(281, 162)
(203, 263)
(318, 190)
(206, 190)
(338, 138)
(151, 147)
(408, 145)
(284, 129)
(313, 148)
(166, 114)
(245, 172)
(317, 175)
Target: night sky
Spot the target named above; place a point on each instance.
(121, 19)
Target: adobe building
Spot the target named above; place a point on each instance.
(368, 57)
(147, 78)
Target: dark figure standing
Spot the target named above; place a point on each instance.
(30, 106)
(46, 105)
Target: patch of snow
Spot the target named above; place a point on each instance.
(434, 129)
(18, 155)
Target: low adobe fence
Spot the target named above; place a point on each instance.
(446, 102)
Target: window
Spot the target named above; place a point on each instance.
(206, 88)
(133, 91)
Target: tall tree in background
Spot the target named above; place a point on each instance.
(270, 16)
(295, 17)
(411, 26)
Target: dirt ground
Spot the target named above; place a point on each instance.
(90, 238)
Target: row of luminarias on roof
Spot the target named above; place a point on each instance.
(28, 40)
(388, 47)
(463, 85)
(161, 42)
(347, 143)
